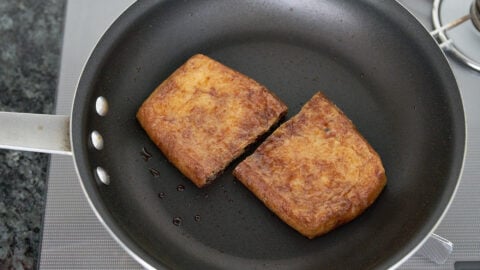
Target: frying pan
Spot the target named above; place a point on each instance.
(372, 58)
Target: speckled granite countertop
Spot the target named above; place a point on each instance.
(30, 47)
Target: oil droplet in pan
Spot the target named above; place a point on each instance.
(154, 172)
(196, 218)
(145, 154)
(162, 195)
(177, 221)
(180, 188)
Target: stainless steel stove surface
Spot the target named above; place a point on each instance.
(73, 237)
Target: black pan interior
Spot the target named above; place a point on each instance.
(370, 57)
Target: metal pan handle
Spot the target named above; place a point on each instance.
(35, 132)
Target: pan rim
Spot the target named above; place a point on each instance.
(465, 142)
(125, 241)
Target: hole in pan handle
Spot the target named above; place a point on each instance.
(35, 132)
(437, 249)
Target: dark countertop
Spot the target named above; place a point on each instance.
(30, 48)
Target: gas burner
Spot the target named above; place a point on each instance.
(463, 39)
(475, 14)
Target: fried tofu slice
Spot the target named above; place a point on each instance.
(315, 171)
(204, 115)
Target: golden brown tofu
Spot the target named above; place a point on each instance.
(315, 171)
(204, 115)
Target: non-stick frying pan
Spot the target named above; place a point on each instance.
(372, 58)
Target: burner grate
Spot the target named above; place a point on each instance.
(475, 14)
(452, 45)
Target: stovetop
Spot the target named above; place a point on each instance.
(73, 238)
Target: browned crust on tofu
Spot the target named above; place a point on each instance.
(315, 171)
(205, 114)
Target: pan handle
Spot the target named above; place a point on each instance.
(437, 249)
(35, 132)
